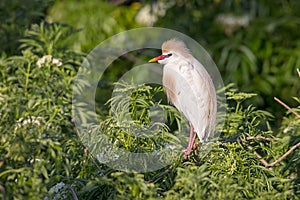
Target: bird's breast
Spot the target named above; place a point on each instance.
(169, 83)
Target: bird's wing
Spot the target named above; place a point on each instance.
(188, 87)
(205, 88)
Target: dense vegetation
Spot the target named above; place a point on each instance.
(43, 44)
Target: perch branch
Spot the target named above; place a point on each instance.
(263, 161)
(250, 138)
(285, 155)
(260, 137)
(287, 107)
(73, 193)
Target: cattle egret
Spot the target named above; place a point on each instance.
(189, 88)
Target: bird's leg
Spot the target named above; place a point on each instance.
(192, 133)
(192, 139)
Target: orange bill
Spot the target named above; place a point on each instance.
(161, 57)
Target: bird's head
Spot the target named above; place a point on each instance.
(172, 50)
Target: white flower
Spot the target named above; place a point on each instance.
(233, 20)
(37, 121)
(230, 21)
(34, 160)
(287, 129)
(59, 186)
(56, 62)
(48, 59)
(149, 14)
(42, 61)
(57, 192)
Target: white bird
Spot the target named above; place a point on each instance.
(189, 88)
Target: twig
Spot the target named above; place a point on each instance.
(250, 138)
(263, 161)
(2, 189)
(284, 155)
(73, 193)
(287, 107)
(160, 175)
(260, 137)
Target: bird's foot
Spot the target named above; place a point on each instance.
(196, 146)
(186, 155)
(196, 157)
(187, 152)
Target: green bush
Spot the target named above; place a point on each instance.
(37, 137)
(16, 16)
(42, 156)
(98, 20)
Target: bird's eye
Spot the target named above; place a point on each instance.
(168, 55)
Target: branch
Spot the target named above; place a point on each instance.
(263, 161)
(287, 107)
(284, 155)
(260, 137)
(160, 175)
(250, 138)
(2, 189)
(73, 193)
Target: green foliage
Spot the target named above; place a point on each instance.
(98, 20)
(16, 16)
(37, 137)
(47, 39)
(133, 110)
(42, 157)
(290, 123)
(226, 168)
